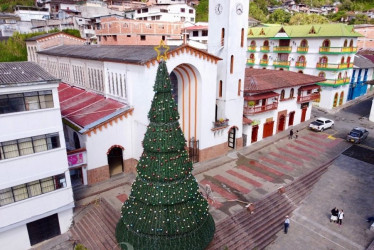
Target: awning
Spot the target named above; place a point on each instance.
(309, 87)
(261, 96)
(247, 121)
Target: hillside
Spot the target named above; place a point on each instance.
(7, 5)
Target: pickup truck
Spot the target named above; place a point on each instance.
(321, 124)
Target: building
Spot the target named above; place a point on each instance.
(275, 100)
(8, 24)
(366, 41)
(36, 198)
(167, 13)
(121, 31)
(325, 50)
(362, 73)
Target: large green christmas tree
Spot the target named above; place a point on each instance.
(165, 209)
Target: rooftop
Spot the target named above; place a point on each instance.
(293, 31)
(35, 38)
(363, 61)
(260, 80)
(23, 72)
(87, 109)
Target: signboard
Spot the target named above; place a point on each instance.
(75, 159)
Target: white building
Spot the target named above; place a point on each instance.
(27, 13)
(324, 50)
(168, 13)
(36, 199)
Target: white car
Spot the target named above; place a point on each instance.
(321, 124)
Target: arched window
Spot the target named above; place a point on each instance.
(223, 37)
(322, 74)
(342, 60)
(265, 57)
(326, 43)
(323, 60)
(282, 94)
(242, 38)
(266, 43)
(232, 64)
(346, 74)
(300, 71)
(220, 89)
(345, 43)
(301, 59)
(253, 43)
(292, 93)
(351, 43)
(348, 60)
(239, 86)
(252, 56)
(304, 43)
(340, 75)
(341, 98)
(281, 69)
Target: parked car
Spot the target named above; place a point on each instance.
(321, 124)
(357, 135)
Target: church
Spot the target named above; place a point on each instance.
(106, 92)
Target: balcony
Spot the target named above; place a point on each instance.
(300, 65)
(251, 48)
(282, 49)
(250, 61)
(337, 50)
(308, 98)
(281, 64)
(302, 50)
(334, 67)
(220, 124)
(264, 62)
(260, 109)
(265, 49)
(330, 82)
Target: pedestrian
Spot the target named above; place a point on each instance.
(291, 134)
(286, 224)
(340, 217)
(296, 134)
(334, 215)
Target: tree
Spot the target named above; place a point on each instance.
(279, 16)
(346, 5)
(165, 209)
(202, 11)
(262, 5)
(360, 19)
(301, 18)
(256, 12)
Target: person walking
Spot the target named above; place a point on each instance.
(340, 217)
(334, 215)
(286, 224)
(296, 134)
(291, 134)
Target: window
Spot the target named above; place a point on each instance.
(31, 189)
(282, 94)
(242, 39)
(292, 93)
(190, 11)
(29, 145)
(232, 64)
(183, 19)
(195, 33)
(220, 89)
(204, 33)
(239, 86)
(223, 37)
(183, 10)
(26, 101)
(142, 38)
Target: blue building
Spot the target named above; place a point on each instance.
(362, 72)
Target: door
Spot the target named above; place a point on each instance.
(115, 161)
(281, 123)
(231, 139)
(290, 120)
(341, 98)
(335, 100)
(268, 129)
(254, 133)
(303, 114)
(43, 229)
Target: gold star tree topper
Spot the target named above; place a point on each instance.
(161, 50)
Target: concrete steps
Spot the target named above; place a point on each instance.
(255, 231)
(96, 228)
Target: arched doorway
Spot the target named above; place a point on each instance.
(341, 98)
(304, 43)
(266, 43)
(342, 60)
(326, 43)
(281, 123)
(345, 43)
(323, 60)
(115, 160)
(335, 100)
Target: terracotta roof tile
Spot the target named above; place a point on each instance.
(262, 80)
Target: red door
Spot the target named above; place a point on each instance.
(292, 116)
(303, 114)
(281, 123)
(268, 129)
(254, 133)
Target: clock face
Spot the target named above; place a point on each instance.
(218, 9)
(239, 9)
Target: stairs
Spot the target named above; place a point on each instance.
(96, 227)
(257, 230)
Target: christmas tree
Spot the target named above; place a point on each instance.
(165, 210)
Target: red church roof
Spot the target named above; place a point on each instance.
(87, 109)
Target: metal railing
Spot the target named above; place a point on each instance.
(308, 98)
(260, 109)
